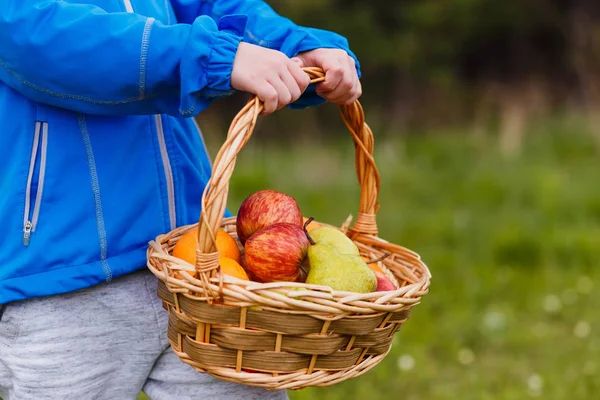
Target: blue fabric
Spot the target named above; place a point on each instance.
(104, 81)
(268, 29)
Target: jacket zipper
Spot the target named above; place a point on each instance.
(164, 154)
(128, 6)
(31, 215)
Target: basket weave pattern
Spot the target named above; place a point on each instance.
(283, 335)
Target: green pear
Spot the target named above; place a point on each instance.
(334, 238)
(342, 272)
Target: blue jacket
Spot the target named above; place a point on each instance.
(99, 150)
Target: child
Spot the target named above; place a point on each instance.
(100, 153)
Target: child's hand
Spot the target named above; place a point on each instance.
(269, 74)
(341, 85)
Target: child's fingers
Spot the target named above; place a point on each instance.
(269, 96)
(300, 76)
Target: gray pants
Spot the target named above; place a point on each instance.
(106, 342)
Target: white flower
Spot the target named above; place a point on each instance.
(552, 304)
(582, 329)
(494, 320)
(535, 385)
(406, 362)
(466, 356)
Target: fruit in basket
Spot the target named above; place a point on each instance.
(185, 248)
(334, 238)
(371, 264)
(383, 283)
(264, 208)
(227, 246)
(276, 253)
(228, 267)
(311, 225)
(335, 262)
(232, 268)
(342, 272)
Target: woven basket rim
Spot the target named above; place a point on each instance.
(299, 295)
(177, 264)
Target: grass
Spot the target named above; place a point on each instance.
(512, 245)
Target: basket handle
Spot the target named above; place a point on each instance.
(214, 197)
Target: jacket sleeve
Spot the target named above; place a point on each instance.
(82, 58)
(268, 29)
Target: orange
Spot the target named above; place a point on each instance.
(227, 246)
(373, 266)
(185, 248)
(232, 268)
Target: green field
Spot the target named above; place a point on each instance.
(512, 245)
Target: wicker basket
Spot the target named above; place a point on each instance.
(283, 335)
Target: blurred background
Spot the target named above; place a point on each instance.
(486, 115)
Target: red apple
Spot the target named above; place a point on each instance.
(383, 283)
(264, 208)
(276, 253)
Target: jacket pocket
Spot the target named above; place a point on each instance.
(35, 180)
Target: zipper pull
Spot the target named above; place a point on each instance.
(27, 233)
